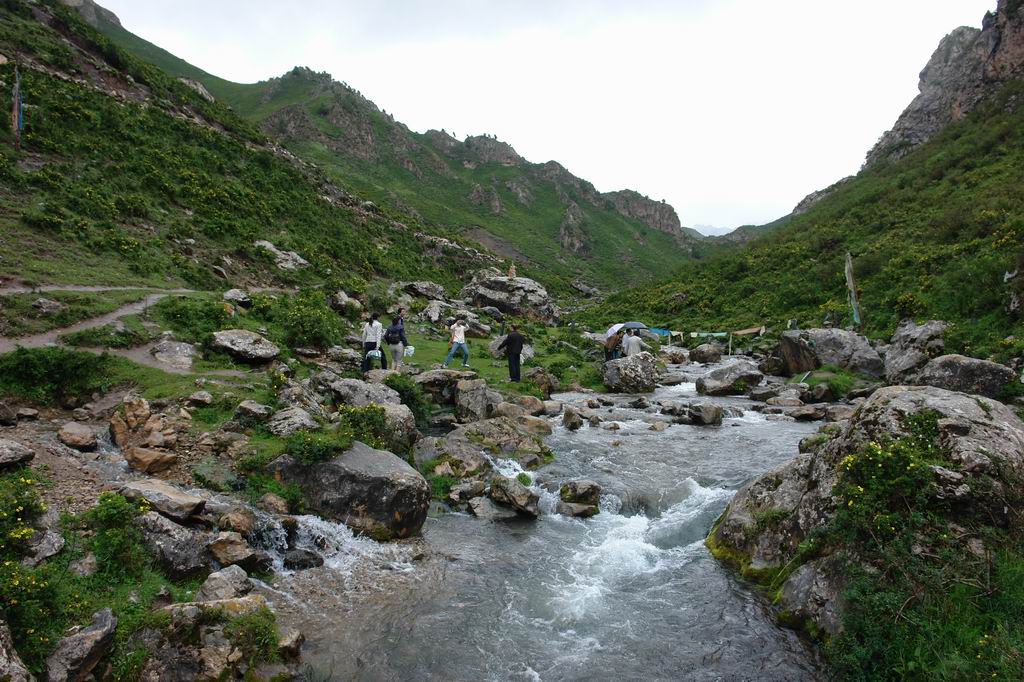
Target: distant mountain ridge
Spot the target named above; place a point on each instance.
(537, 213)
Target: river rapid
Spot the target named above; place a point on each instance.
(629, 594)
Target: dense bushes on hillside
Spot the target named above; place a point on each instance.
(111, 189)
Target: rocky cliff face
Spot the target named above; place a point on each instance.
(492, 150)
(92, 13)
(968, 67)
(655, 214)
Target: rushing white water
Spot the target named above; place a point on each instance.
(630, 593)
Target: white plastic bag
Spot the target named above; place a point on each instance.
(375, 354)
(409, 350)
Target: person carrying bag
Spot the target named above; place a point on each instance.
(373, 332)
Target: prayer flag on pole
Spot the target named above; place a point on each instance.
(852, 286)
(17, 113)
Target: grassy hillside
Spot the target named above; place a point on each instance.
(931, 235)
(517, 210)
(127, 175)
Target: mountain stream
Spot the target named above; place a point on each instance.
(629, 594)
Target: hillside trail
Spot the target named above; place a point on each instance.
(140, 355)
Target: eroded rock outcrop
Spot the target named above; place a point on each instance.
(519, 296)
(244, 345)
(655, 214)
(981, 442)
(968, 67)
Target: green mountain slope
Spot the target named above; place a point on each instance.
(932, 235)
(541, 215)
(128, 175)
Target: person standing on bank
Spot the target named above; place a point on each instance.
(394, 336)
(457, 343)
(373, 332)
(513, 345)
(633, 344)
(613, 346)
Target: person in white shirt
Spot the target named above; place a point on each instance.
(633, 344)
(457, 343)
(373, 331)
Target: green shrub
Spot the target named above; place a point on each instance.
(192, 319)
(258, 485)
(908, 306)
(440, 484)
(310, 447)
(117, 543)
(308, 320)
(52, 375)
(523, 478)
(369, 425)
(255, 635)
(28, 603)
(839, 381)
(20, 505)
(412, 396)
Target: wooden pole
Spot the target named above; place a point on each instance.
(16, 110)
(851, 284)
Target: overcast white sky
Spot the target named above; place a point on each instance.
(731, 110)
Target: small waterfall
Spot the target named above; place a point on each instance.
(510, 468)
(335, 542)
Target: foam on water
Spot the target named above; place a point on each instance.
(749, 417)
(619, 548)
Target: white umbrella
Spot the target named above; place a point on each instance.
(612, 329)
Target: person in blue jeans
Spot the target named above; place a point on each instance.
(457, 343)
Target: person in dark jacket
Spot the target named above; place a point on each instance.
(394, 337)
(513, 346)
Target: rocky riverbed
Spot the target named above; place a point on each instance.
(629, 592)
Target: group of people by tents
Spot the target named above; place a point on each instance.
(623, 340)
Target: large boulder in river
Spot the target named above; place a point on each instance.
(706, 353)
(978, 461)
(969, 375)
(465, 450)
(633, 374)
(732, 379)
(244, 345)
(520, 296)
(846, 350)
(510, 492)
(796, 354)
(581, 491)
(371, 491)
(911, 348)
